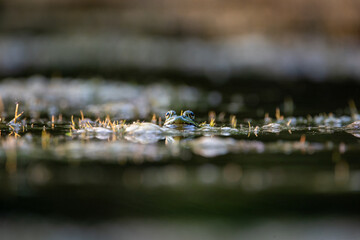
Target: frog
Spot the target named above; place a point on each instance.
(185, 120)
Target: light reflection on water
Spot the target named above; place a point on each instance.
(278, 228)
(264, 161)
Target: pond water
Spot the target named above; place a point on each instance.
(266, 160)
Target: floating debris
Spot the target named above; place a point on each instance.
(353, 126)
(143, 128)
(272, 127)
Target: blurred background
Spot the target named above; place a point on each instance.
(132, 59)
(316, 40)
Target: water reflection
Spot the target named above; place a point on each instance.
(252, 165)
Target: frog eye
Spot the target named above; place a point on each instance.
(189, 114)
(170, 114)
